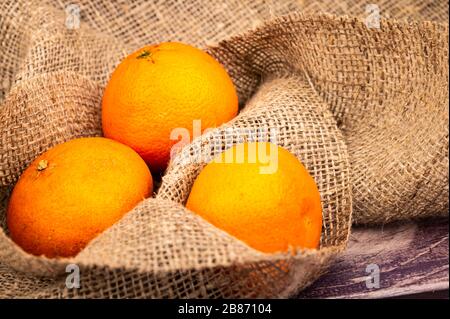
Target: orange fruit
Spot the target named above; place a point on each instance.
(162, 87)
(73, 192)
(261, 194)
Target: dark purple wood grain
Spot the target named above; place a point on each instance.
(412, 257)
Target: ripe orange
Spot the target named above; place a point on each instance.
(271, 210)
(73, 192)
(162, 87)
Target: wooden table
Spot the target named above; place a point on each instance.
(412, 258)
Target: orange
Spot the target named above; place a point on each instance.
(162, 87)
(261, 194)
(73, 192)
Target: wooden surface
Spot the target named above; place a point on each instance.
(412, 259)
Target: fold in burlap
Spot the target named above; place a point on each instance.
(161, 250)
(335, 91)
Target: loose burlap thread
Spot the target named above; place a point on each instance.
(364, 109)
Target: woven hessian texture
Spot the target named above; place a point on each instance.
(365, 110)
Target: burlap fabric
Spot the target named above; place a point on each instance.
(406, 10)
(361, 107)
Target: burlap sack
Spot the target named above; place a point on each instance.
(325, 84)
(408, 10)
(388, 90)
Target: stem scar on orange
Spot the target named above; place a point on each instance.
(271, 210)
(73, 192)
(162, 87)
